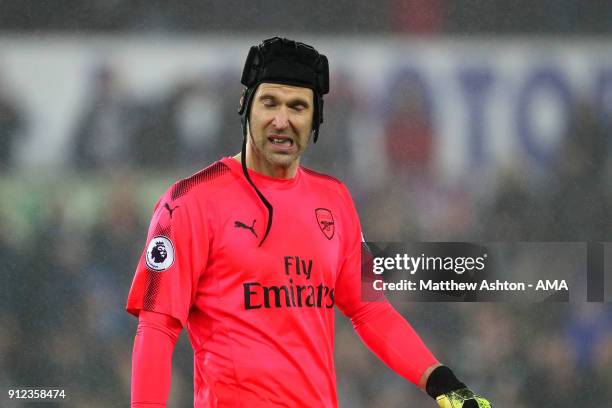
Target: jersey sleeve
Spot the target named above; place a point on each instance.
(383, 330)
(349, 280)
(173, 259)
(155, 339)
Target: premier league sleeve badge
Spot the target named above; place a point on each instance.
(160, 254)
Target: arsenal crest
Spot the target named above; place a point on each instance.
(325, 219)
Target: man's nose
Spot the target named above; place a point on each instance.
(281, 119)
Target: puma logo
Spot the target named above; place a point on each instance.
(240, 224)
(170, 210)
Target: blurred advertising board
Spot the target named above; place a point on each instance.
(490, 103)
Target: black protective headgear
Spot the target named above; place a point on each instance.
(282, 61)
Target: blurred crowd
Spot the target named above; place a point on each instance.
(320, 16)
(67, 270)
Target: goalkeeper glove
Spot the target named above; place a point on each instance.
(449, 392)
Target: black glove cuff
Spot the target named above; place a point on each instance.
(442, 380)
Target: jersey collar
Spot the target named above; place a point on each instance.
(262, 180)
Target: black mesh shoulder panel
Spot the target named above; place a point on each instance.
(209, 173)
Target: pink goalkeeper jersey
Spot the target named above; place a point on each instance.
(260, 319)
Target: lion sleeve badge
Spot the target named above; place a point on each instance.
(160, 253)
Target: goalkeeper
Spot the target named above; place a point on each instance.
(251, 255)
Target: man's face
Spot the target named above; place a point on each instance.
(280, 124)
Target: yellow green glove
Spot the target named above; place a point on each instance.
(449, 392)
(462, 398)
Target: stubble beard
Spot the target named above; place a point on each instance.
(282, 160)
